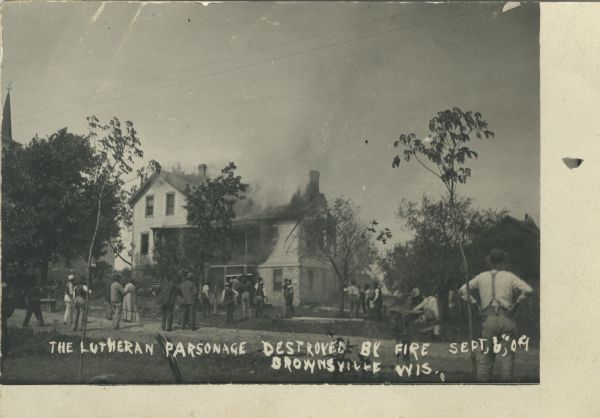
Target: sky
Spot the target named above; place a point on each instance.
(282, 89)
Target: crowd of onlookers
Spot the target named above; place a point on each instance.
(182, 293)
(367, 298)
(499, 295)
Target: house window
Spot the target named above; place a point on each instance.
(149, 206)
(277, 280)
(144, 244)
(311, 280)
(324, 284)
(170, 204)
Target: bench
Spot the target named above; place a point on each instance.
(49, 303)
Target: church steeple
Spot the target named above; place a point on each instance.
(6, 120)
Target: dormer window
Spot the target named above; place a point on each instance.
(170, 208)
(149, 206)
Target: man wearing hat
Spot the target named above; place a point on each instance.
(68, 299)
(80, 294)
(229, 296)
(188, 300)
(496, 288)
(116, 300)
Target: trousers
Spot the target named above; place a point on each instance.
(260, 303)
(166, 318)
(79, 311)
(117, 309)
(35, 309)
(206, 307)
(497, 325)
(354, 306)
(229, 309)
(245, 304)
(213, 303)
(189, 315)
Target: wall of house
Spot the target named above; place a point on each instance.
(324, 286)
(322, 289)
(143, 224)
(285, 250)
(275, 296)
(285, 258)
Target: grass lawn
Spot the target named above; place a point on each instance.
(31, 362)
(271, 321)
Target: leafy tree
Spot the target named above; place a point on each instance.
(210, 211)
(336, 234)
(444, 153)
(168, 257)
(65, 195)
(116, 147)
(429, 258)
(45, 187)
(51, 196)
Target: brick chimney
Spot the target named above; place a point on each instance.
(312, 188)
(202, 170)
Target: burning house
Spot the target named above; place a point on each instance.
(265, 243)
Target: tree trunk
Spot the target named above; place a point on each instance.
(466, 273)
(469, 313)
(88, 281)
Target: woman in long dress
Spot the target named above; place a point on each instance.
(130, 311)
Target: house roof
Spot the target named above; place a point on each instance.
(289, 211)
(527, 224)
(298, 206)
(178, 181)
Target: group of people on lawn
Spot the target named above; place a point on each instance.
(183, 293)
(172, 295)
(370, 299)
(499, 294)
(121, 301)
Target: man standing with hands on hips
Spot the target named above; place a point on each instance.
(496, 289)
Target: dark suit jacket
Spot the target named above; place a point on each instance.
(188, 292)
(168, 292)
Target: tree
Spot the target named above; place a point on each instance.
(444, 153)
(336, 234)
(429, 258)
(210, 212)
(168, 257)
(116, 147)
(45, 207)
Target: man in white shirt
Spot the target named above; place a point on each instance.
(430, 312)
(69, 300)
(496, 289)
(206, 305)
(353, 293)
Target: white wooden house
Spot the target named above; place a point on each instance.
(265, 243)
